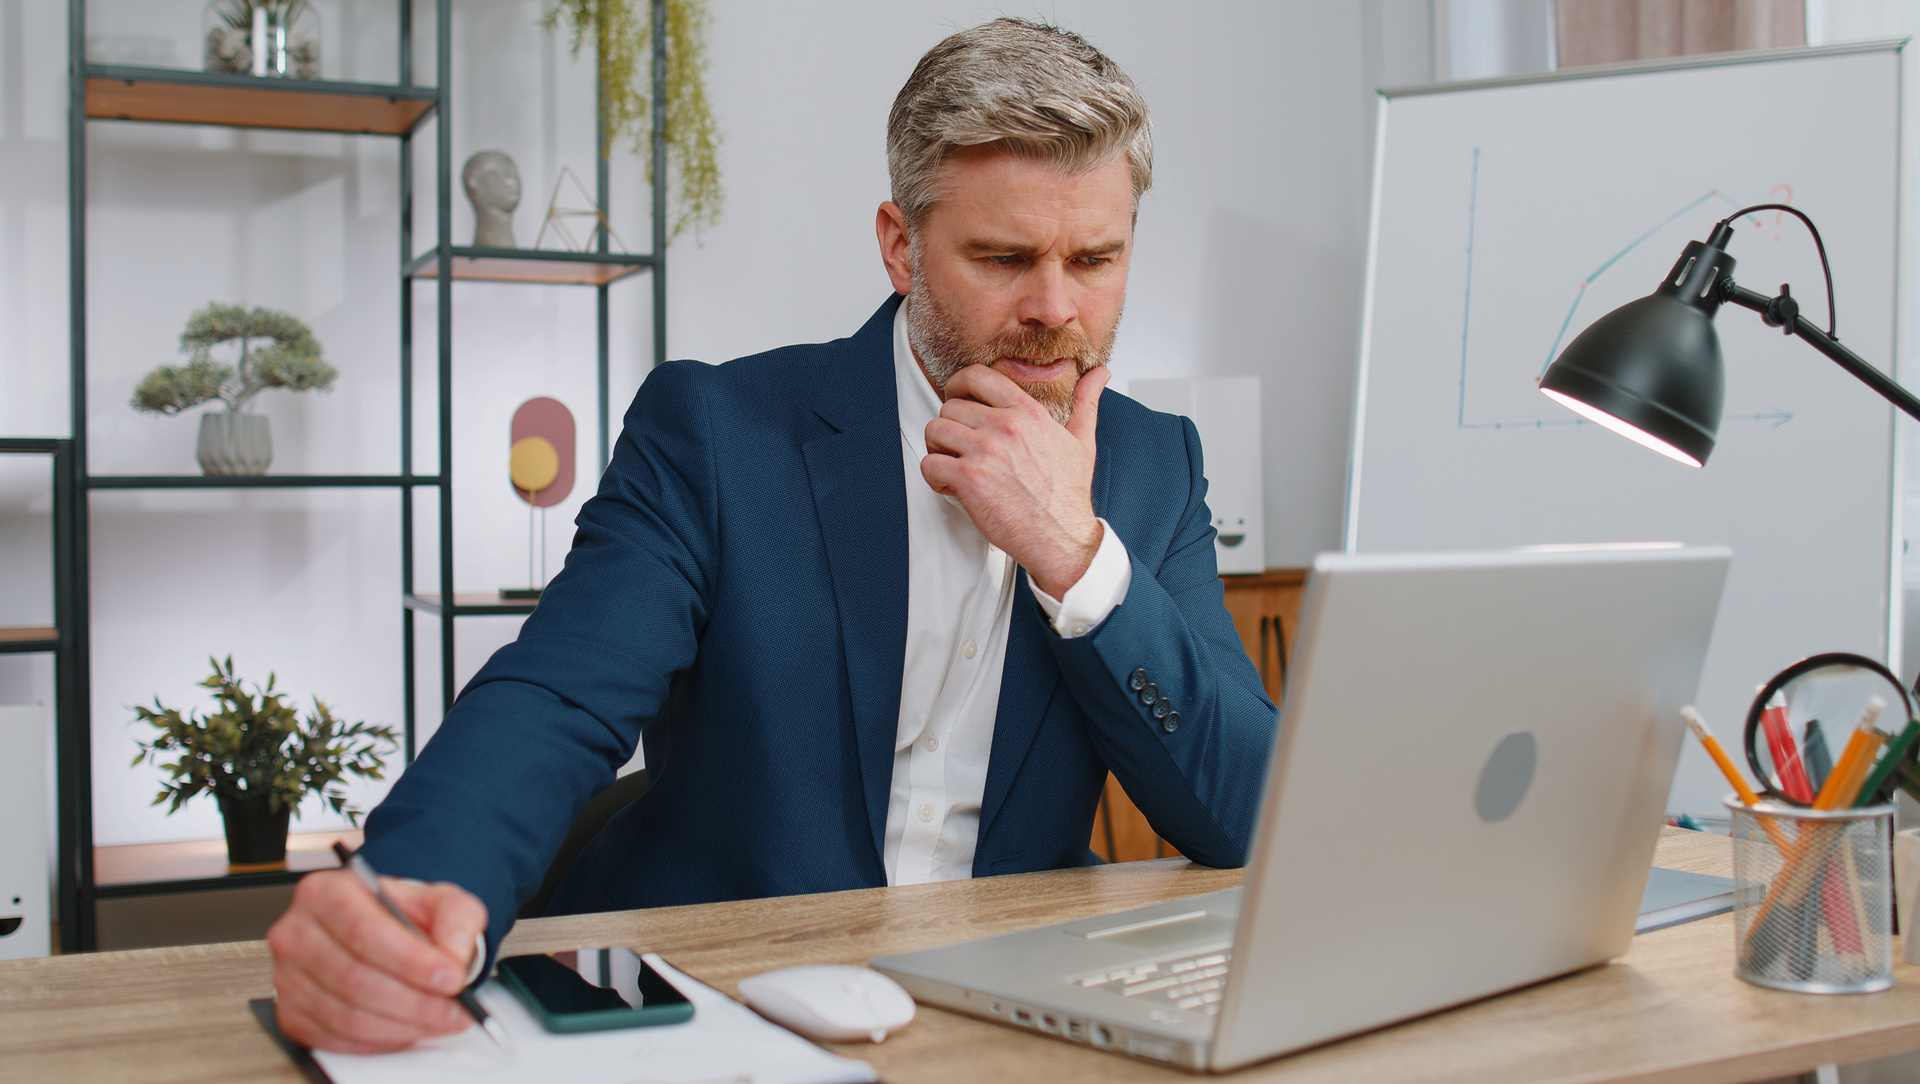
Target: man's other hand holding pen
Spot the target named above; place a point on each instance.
(348, 976)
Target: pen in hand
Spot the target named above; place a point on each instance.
(364, 870)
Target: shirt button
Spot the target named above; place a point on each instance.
(1162, 707)
(1137, 680)
(926, 812)
(932, 743)
(1149, 694)
(1079, 629)
(969, 649)
(1171, 723)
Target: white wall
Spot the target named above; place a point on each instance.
(1250, 251)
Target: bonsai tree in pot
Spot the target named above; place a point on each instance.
(277, 350)
(259, 759)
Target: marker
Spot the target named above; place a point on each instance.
(364, 870)
(1877, 787)
(1789, 773)
(1819, 762)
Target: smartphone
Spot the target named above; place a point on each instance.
(593, 989)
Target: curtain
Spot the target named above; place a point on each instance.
(1615, 31)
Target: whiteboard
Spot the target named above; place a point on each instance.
(1507, 216)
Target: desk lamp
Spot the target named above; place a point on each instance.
(1650, 370)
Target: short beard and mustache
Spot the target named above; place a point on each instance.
(944, 349)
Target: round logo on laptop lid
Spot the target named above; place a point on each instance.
(1505, 776)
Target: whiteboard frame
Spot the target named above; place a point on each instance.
(1895, 578)
(1358, 428)
(1669, 63)
(1901, 334)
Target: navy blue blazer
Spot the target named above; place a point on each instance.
(736, 600)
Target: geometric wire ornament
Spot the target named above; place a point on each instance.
(557, 217)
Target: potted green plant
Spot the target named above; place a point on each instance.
(259, 759)
(233, 441)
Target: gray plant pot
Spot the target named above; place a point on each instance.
(235, 443)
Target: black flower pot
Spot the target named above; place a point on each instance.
(255, 835)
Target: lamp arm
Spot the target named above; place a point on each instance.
(1784, 312)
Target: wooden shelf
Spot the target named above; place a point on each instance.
(205, 860)
(22, 639)
(243, 101)
(256, 481)
(481, 604)
(532, 265)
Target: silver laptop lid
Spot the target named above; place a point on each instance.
(1474, 754)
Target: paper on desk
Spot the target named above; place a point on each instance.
(724, 1042)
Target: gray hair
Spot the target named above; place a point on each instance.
(1039, 91)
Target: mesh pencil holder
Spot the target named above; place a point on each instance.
(1813, 898)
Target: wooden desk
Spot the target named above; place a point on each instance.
(1670, 1010)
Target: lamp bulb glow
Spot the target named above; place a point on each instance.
(1633, 433)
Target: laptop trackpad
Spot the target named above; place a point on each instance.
(1162, 932)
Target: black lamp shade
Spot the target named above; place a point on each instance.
(1650, 370)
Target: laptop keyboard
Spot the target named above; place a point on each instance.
(1193, 983)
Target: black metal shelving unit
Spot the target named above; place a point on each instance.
(397, 110)
(66, 641)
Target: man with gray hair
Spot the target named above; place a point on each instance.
(881, 611)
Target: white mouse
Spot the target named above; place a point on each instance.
(831, 1003)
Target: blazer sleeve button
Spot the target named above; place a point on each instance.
(1149, 694)
(1162, 708)
(1137, 680)
(1171, 723)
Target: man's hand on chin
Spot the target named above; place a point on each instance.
(1026, 481)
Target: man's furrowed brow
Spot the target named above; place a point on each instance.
(989, 246)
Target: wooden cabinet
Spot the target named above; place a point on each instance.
(1266, 613)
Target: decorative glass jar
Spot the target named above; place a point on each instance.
(271, 38)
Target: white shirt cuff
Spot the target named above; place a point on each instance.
(1101, 587)
(479, 958)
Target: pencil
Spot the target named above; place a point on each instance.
(1855, 761)
(1727, 768)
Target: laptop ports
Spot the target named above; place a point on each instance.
(1023, 1017)
(1049, 1023)
(1077, 1030)
(1141, 1046)
(1102, 1036)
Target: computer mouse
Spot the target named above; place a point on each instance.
(830, 1003)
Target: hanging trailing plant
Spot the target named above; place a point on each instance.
(621, 32)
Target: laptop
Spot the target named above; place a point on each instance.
(1464, 797)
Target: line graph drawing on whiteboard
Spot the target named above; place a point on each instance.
(1635, 252)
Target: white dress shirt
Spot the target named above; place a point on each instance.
(960, 601)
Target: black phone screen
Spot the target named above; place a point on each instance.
(591, 981)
